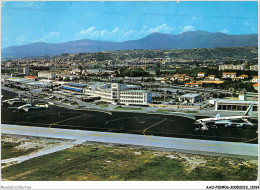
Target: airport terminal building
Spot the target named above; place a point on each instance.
(74, 87)
(235, 105)
(117, 93)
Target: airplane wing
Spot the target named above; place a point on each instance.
(228, 123)
(224, 122)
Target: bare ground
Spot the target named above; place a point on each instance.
(37, 144)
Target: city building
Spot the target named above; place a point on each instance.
(26, 70)
(211, 77)
(235, 105)
(201, 74)
(193, 84)
(163, 81)
(74, 87)
(46, 75)
(255, 86)
(212, 81)
(243, 76)
(190, 98)
(253, 67)
(24, 83)
(117, 93)
(242, 96)
(31, 77)
(255, 79)
(231, 67)
(227, 75)
(76, 71)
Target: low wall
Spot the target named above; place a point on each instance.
(174, 106)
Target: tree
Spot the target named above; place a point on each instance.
(157, 72)
(135, 73)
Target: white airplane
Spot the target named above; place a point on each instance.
(232, 121)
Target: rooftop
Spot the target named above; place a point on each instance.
(212, 81)
(238, 101)
(76, 84)
(229, 73)
(190, 95)
(199, 83)
(31, 77)
(132, 85)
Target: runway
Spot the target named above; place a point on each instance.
(181, 144)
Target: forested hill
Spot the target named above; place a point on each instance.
(185, 40)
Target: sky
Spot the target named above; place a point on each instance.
(27, 22)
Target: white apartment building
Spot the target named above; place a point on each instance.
(228, 75)
(191, 98)
(201, 74)
(253, 67)
(46, 75)
(254, 79)
(120, 94)
(26, 70)
(231, 67)
(211, 77)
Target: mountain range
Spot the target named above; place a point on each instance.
(185, 40)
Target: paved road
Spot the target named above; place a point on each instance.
(182, 144)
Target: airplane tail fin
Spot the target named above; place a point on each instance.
(249, 110)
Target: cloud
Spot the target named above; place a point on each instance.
(20, 39)
(52, 34)
(188, 28)
(48, 36)
(84, 32)
(163, 28)
(128, 33)
(92, 32)
(226, 31)
(119, 34)
(115, 30)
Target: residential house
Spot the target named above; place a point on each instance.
(255, 79)
(211, 77)
(201, 74)
(193, 84)
(243, 76)
(227, 75)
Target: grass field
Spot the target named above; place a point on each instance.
(162, 110)
(126, 108)
(103, 106)
(8, 150)
(109, 163)
(191, 111)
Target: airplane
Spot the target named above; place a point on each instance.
(232, 121)
(27, 107)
